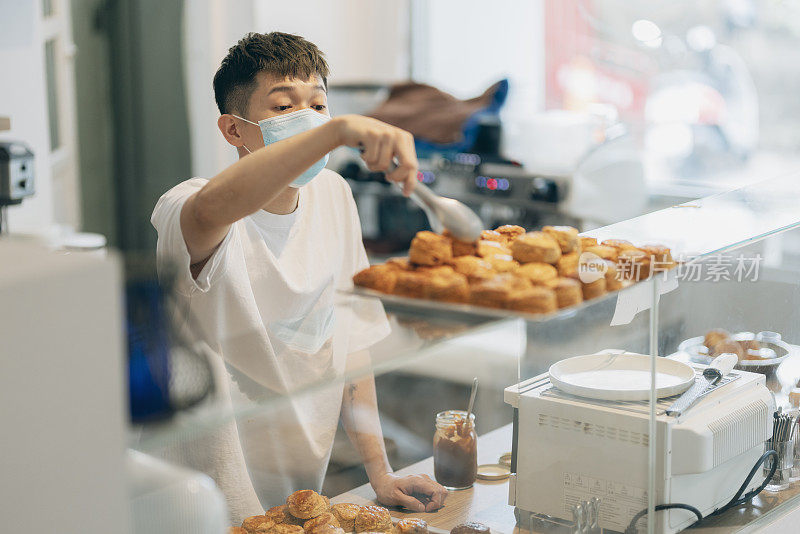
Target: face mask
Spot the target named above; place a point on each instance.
(283, 126)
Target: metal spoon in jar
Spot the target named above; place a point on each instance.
(472, 401)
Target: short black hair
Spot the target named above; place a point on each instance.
(277, 53)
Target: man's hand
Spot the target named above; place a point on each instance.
(417, 493)
(380, 144)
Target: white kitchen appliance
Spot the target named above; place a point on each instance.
(568, 450)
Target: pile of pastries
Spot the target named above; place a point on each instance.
(720, 341)
(509, 268)
(308, 512)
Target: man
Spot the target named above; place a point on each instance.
(262, 247)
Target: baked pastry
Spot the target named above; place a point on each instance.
(536, 247)
(565, 236)
(401, 263)
(464, 248)
(251, 523)
(569, 292)
(449, 288)
(264, 527)
(586, 242)
(325, 518)
(410, 526)
(345, 514)
(748, 345)
(633, 264)
(307, 504)
(280, 514)
(503, 263)
(487, 249)
(474, 268)
(660, 257)
(603, 251)
(286, 528)
(491, 235)
(613, 279)
(237, 530)
(619, 244)
(715, 336)
(428, 248)
(326, 529)
(567, 265)
(537, 299)
(378, 277)
(726, 346)
(373, 519)
(439, 270)
(510, 232)
(537, 273)
(595, 289)
(471, 527)
(495, 292)
(411, 284)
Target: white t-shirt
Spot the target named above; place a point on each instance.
(267, 302)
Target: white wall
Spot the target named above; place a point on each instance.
(22, 98)
(464, 46)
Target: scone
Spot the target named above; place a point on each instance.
(595, 289)
(495, 292)
(619, 244)
(411, 284)
(538, 299)
(471, 527)
(660, 257)
(254, 521)
(439, 270)
(326, 518)
(603, 251)
(461, 248)
(567, 265)
(565, 236)
(613, 279)
(536, 247)
(715, 336)
(586, 242)
(410, 526)
(510, 232)
(569, 292)
(726, 346)
(400, 263)
(373, 519)
(537, 273)
(487, 249)
(280, 514)
(474, 268)
(378, 277)
(346, 514)
(326, 529)
(449, 288)
(491, 235)
(307, 504)
(633, 264)
(503, 263)
(237, 530)
(428, 248)
(285, 528)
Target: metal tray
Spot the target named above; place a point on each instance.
(771, 340)
(466, 312)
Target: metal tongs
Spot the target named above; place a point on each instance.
(444, 213)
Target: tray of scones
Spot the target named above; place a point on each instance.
(509, 271)
(308, 512)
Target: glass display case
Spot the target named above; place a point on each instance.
(563, 444)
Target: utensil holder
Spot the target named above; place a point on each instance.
(782, 477)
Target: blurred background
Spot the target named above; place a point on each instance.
(605, 109)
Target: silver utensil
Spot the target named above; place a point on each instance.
(719, 367)
(472, 399)
(443, 213)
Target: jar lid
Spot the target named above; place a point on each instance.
(493, 472)
(505, 459)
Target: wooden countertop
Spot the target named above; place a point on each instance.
(487, 502)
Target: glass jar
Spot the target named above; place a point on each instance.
(455, 450)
